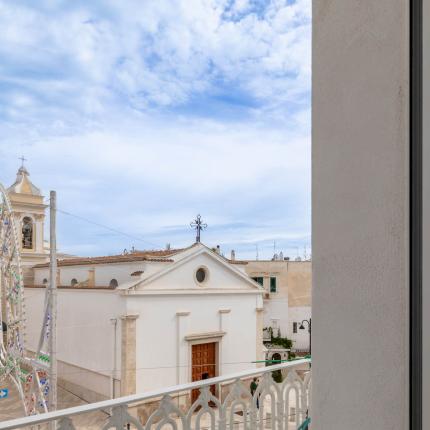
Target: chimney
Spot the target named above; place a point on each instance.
(218, 249)
(233, 255)
(168, 247)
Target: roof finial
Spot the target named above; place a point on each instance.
(22, 158)
(198, 225)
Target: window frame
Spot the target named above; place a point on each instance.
(256, 279)
(270, 285)
(415, 226)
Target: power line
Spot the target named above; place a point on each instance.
(108, 228)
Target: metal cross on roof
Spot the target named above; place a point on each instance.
(22, 158)
(198, 225)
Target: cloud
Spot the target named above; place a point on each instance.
(142, 114)
(152, 54)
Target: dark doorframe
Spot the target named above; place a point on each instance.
(416, 88)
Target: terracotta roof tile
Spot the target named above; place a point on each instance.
(158, 256)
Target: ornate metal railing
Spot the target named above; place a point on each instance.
(222, 403)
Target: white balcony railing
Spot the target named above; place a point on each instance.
(222, 403)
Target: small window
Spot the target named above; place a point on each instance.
(259, 280)
(294, 327)
(113, 283)
(74, 282)
(201, 275)
(45, 281)
(273, 285)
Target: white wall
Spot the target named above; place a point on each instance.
(276, 314)
(183, 276)
(157, 334)
(360, 207)
(298, 314)
(103, 272)
(85, 334)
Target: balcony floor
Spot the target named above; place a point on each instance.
(11, 408)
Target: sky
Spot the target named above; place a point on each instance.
(142, 114)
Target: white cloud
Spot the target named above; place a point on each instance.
(141, 114)
(160, 52)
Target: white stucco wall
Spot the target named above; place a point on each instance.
(298, 314)
(360, 214)
(157, 334)
(217, 276)
(103, 272)
(226, 302)
(276, 314)
(84, 331)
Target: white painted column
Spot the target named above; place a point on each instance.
(38, 225)
(223, 327)
(181, 355)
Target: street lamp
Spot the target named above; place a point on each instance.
(302, 327)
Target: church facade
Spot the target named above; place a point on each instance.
(166, 318)
(142, 320)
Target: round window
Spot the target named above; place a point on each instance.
(201, 275)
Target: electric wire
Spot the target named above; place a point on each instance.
(114, 230)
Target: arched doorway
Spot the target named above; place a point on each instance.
(277, 374)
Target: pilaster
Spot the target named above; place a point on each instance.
(128, 354)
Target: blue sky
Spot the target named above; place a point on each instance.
(141, 114)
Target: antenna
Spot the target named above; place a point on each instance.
(256, 251)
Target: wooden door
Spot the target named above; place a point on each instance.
(203, 365)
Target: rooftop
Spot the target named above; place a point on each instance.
(23, 185)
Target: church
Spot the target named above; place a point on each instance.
(142, 320)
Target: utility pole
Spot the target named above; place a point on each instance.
(52, 395)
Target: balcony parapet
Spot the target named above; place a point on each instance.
(274, 405)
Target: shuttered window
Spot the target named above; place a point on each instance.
(259, 280)
(273, 285)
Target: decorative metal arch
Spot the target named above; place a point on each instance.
(11, 298)
(28, 373)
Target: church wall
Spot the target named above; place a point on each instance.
(159, 325)
(218, 277)
(85, 334)
(103, 272)
(122, 272)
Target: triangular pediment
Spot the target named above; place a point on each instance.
(219, 275)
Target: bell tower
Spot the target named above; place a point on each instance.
(29, 214)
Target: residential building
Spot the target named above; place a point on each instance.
(287, 298)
